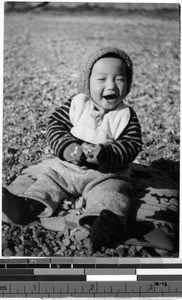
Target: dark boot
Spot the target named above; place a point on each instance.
(107, 231)
(20, 210)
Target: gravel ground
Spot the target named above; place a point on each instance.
(42, 55)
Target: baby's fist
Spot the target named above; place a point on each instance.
(74, 153)
(88, 149)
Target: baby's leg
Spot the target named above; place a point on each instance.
(43, 186)
(111, 194)
(107, 207)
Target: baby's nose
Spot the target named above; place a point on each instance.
(110, 84)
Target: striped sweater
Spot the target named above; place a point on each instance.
(115, 155)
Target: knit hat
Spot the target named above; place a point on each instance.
(90, 60)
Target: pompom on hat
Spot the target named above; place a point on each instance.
(90, 60)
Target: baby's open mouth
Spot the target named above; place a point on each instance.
(110, 97)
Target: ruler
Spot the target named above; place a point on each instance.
(90, 277)
(91, 289)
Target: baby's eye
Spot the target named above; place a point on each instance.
(120, 79)
(101, 79)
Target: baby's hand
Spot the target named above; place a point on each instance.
(88, 149)
(92, 152)
(74, 153)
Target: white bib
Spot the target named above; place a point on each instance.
(91, 126)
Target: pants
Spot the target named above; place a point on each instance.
(53, 180)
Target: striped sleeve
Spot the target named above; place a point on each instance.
(125, 149)
(58, 130)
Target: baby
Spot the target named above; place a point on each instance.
(94, 136)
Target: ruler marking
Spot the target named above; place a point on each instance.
(142, 288)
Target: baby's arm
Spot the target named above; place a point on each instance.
(61, 141)
(123, 151)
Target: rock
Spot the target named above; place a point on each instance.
(120, 250)
(4, 243)
(98, 254)
(87, 243)
(138, 248)
(54, 223)
(73, 211)
(60, 253)
(46, 251)
(81, 235)
(71, 220)
(67, 204)
(36, 252)
(79, 203)
(7, 252)
(66, 242)
(78, 247)
(73, 247)
(163, 253)
(132, 251)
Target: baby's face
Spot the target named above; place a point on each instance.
(108, 82)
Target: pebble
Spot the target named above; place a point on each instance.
(46, 251)
(79, 247)
(132, 251)
(54, 223)
(27, 252)
(4, 243)
(66, 242)
(120, 251)
(73, 211)
(73, 247)
(19, 251)
(7, 252)
(138, 248)
(58, 235)
(163, 253)
(81, 235)
(26, 151)
(36, 252)
(63, 247)
(71, 220)
(60, 253)
(79, 203)
(87, 243)
(59, 243)
(66, 205)
(50, 236)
